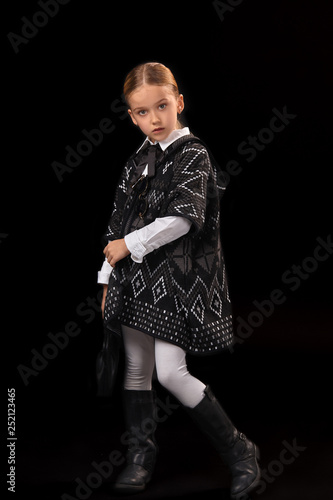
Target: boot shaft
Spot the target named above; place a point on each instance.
(213, 421)
(139, 411)
(238, 452)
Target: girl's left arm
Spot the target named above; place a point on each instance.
(156, 234)
(143, 241)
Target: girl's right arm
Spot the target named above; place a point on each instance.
(105, 289)
(103, 277)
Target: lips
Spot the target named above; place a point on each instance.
(157, 130)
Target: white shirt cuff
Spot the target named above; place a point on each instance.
(160, 232)
(103, 275)
(134, 245)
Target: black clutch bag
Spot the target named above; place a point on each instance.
(107, 363)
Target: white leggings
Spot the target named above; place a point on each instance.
(142, 352)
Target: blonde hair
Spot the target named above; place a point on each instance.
(152, 73)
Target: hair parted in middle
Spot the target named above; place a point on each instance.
(151, 73)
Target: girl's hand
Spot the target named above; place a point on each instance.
(115, 251)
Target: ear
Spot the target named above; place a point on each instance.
(180, 103)
(132, 117)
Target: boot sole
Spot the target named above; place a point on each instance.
(126, 489)
(244, 494)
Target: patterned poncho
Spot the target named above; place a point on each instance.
(179, 293)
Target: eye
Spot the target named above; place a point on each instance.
(162, 106)
(142, 112)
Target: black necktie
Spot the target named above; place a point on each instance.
(148, 154)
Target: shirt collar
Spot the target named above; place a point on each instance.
(175, 134)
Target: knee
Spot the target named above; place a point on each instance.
(167, 377)
(138, 376)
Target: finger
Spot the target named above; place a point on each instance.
(110, 261)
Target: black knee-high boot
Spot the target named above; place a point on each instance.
(139, 409)
(238, 452)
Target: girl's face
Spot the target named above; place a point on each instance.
(154, 110)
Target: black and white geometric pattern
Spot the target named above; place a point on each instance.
(159, 290)
(138, 283)
(179, 293)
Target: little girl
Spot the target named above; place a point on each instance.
(165, 288)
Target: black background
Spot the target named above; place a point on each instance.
(233, 73)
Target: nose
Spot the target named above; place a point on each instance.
(154, 118)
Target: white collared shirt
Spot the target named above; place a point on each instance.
(175, 134)
(160, 232)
